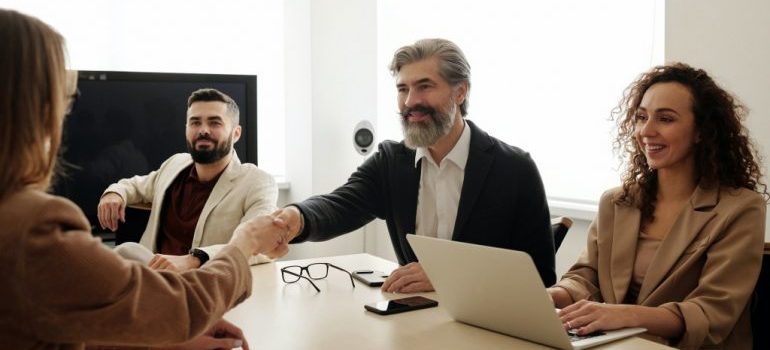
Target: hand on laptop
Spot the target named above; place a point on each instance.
(409, 278)
(559, 297)
(589, 316)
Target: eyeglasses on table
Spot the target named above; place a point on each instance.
(315, 271)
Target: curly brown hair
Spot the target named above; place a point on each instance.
(724, 157)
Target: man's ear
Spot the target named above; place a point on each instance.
(461, 91)
(236, 133)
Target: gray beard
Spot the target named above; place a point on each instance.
(419, 134)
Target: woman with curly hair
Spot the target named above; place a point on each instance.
(678, 247)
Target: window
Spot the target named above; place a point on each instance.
(545, 75)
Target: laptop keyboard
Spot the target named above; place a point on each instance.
(573, 336)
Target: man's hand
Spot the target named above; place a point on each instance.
(161, 262)
(290, 219)
(111, 209)
(279, 251)
(409, 278)
(179, 263)
(224, 335)
(258, 235)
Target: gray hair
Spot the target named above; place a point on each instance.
(209, 94)
(453, 66)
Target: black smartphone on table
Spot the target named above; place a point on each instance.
(388, 307)
(370, 278)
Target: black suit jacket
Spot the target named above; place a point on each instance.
(502, 203)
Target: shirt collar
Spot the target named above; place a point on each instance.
(193, 176)
(459, 153)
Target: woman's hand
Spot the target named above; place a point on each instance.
(559, 297)
(588, 316)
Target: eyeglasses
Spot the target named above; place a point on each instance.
(73, 102)
(316, 271)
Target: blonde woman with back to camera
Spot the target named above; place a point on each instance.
(63, 288)
(678, 247)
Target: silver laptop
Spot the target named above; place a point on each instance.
(499, 290)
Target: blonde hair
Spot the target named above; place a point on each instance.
(32, 85)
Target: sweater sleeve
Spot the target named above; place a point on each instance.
(348, 207)
(77, 290)
(582, 279)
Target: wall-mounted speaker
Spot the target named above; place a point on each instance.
(363, 137)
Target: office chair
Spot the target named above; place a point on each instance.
(760, 304)
(559, 227)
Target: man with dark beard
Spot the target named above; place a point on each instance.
(197, 198)
(447, 179)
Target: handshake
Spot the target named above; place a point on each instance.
(268, 234)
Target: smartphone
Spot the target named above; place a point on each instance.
(370, 278)
(388, 307)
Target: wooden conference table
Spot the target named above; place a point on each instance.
(295, 316)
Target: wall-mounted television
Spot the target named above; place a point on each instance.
(128, 123)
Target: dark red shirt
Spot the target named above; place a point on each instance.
(182, 206)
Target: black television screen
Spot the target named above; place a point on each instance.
(128, 123)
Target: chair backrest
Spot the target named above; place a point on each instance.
(560, 225)
(760, 304)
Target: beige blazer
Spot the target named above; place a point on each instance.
(704, 270)
(242, 192)
(62, 287)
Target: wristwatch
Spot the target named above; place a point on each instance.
(202, 256)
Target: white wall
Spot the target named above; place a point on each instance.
(731, 41)
(330, 86)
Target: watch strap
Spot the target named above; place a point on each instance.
(201, 254)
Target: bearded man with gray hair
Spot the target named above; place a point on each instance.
(447, 178)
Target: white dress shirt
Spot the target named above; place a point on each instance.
(440, 188)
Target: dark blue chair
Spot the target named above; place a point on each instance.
(560, 225)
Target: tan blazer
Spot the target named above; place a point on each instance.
(62, 287)
(242, 192)
(704, 270)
